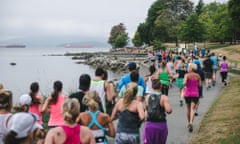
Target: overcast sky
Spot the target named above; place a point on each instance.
(22, 19)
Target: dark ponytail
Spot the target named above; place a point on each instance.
(33, 93)
(57, 87)
(10, 138)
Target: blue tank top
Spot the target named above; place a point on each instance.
(100, 137)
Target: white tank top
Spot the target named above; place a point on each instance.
(149, 88)
(99, 87)
(3, 124)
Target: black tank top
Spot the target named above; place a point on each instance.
(128, 122)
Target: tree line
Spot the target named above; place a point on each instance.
(179, 21)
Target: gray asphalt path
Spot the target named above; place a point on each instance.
(177, 121)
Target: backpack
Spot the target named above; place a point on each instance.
(155, 112)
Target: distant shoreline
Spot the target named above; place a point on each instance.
(13, 46)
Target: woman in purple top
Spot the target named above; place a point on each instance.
(224, 70)
(192, 82)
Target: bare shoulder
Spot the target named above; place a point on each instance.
(104, 115)
(55, 134)
(85, 131)
(56, 130)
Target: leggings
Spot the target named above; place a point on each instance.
(224, 76)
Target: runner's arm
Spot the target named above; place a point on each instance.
(140, 110)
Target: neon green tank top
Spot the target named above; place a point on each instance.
(164, 77)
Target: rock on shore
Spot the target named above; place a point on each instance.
(105, 60)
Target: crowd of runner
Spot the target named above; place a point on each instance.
(87, 115)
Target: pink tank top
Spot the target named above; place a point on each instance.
(72, 134)
(191, 89)
(34, 108)
(56, 118)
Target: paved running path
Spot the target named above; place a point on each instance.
(177, 121)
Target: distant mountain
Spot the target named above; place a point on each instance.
(86, 43)
(53, 41)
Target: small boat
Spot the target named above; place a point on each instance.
(13, 63)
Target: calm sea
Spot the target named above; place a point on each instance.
(34, 64)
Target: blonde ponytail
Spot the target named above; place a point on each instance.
(130, 94)
(70, 110)
(92, 100)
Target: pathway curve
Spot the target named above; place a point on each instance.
(177, 121)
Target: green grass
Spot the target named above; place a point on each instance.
(221, 124)
(234, 71)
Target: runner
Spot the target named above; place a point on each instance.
(207, 68)
(99, 123)
(148, 79)
(192, 81)
(181, 71)
(55, 101)
(155, 130)
(130, 113)
(224, 70)
(111, 85)
(70, 132)
(102, 87)
(214, 68)
(84, 85)
(134, 76)
(163, 74)
(132, 66)
(170, 66)
(37, 101)
(23, 128)
(5, 111)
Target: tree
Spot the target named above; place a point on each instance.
(234, 10)
(137, 40)
(199, 7)
(148, 27)
(117, 34)
(121, 41)
(163, 20)
(192, 30)
(158, 45)
(215, 17)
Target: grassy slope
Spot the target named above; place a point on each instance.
(221, 124)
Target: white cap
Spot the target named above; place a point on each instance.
(22, 124)
(25, 100)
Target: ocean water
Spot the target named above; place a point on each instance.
(35, 64)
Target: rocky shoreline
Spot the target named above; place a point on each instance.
(116, 62)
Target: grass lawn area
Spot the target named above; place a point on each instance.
(210, 46)
(221, 124)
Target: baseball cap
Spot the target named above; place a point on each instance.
(22, 124)
(132, 66)
(25, 100)
(84, 82)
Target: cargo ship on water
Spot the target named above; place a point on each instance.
(13, 46)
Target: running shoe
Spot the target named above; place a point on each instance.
(209, 86)
(213, 83)
(181, 103)
(196, 113)
(190, 127)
